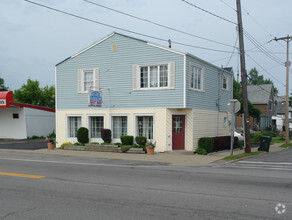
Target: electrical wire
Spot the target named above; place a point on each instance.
(157, 24)
(208, 12)
(123, 29)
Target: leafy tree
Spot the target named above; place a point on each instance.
(256, 79)
(2, 86)
(31, 93)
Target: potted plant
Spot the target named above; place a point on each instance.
(51, 143)
(150, 147)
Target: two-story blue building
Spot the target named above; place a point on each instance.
(171, 97)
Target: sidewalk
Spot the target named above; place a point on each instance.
(177, 158)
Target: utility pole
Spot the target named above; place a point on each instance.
(243, 78)
(287, 64)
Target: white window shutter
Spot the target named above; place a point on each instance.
(171, 67)
(96, 79)
(135, 76)
(79, 78)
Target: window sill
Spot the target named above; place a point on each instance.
(152, 89)
(197, 90)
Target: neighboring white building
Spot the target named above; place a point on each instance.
(19, 121)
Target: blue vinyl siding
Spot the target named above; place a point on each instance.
(212, 95)
(115, 75)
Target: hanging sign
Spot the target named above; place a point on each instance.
(95, 99)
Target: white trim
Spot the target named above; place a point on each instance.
(117, 140)
(89, 128)
(70, 139)
(92, 45)
(185, 71)
(135, 115)
(227, 82)
(56, 105)
(80, 79)
(191, 64)
(165, 48)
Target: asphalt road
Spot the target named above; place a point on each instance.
(91, 188)
(23, 144)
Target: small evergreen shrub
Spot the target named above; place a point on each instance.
(141, 140)
(201, 151)
(79, 144)
(206, 143)
(127, 140)
(82, 135)
(125, 148)
(223, 143)
(106, 135)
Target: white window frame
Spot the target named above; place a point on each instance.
(89, 127)
(68, 138)
(227, 83)
(80, 78)
(170, 76)
(191, 66)
(118, 140)
(136, 126)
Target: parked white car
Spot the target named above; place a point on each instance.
(239, 135)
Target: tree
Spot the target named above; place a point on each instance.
(256, 79)
(2, 86)
(31, 93)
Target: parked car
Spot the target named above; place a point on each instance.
(239, 135)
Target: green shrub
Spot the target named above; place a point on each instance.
(82, 135)
(105, 143)
(201, 151)
(240, 145)
(125, 148)
(141, 140)
(269, 133)
(79, 144)
(119, 144)
(206, 143)
(94, 143)
(127, 140)
(106, 135)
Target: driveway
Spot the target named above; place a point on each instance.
(23, 144)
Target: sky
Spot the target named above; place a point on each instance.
(33, 39)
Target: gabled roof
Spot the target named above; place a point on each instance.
(259, 94)
(227, 70)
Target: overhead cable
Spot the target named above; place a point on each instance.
(157, 24)
(123, 29)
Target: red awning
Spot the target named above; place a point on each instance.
(5, 99)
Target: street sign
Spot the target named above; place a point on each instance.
(236, 105)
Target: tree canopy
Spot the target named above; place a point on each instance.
(256, 79)
(31, 93)
(2, 86)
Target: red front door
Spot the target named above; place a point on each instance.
(178, 132)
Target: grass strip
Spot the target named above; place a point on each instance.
(285, 146)
(239, 156)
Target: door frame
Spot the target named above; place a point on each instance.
(185, 130)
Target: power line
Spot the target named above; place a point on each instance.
(261, 48)
(122, 29)
(155, 23)
(208, 12)
(265, 70)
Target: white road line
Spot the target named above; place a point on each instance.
(258, 162)
(258, 167)
(79, 163)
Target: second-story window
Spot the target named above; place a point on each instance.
(224, 82)
(154, 76)
(196, 78)
(88, 79)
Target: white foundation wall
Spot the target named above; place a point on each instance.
(39, 122)
(159, 119)
(12, 128)
(209, 124)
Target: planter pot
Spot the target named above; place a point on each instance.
(150, 151)
(51, 146)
